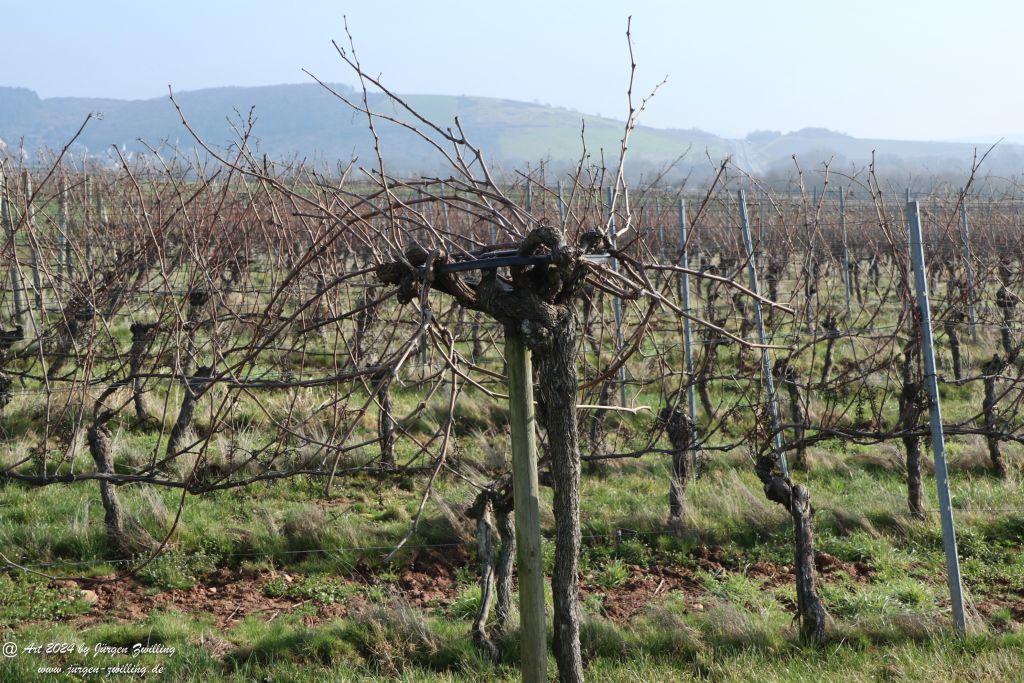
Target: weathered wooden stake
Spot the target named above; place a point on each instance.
(526, 495)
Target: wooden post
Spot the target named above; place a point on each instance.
(525, 492)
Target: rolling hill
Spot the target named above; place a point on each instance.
(307, 121)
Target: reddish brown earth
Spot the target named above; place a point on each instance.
(228, 596)
(427, 581)
(647, 585)
(644, 587)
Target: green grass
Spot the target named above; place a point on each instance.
(893, 625)
(341, 611)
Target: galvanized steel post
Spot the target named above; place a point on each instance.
(965, 235)
(766, 358)
(847, 280)
(616, 302)
(684, 290)
(913, 217)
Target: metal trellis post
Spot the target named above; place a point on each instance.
(661, 229)
(761, 222)
(684, 287)
(30, 220)
(63, 263)
(20, 312)
(766, 358)
(847, 280)
(913, 215)
(561, 207)
(616, 303)
(968, 267)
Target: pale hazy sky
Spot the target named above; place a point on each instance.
(911, 69)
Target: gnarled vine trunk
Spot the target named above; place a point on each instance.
(193, 389)
(142, 336)
(911, 405)
(505, 522)
(556, 389)
(992, 369)
(99, 448)
(8, 338)
(381, 384)
(482, 511)
(1006, 302)
(954, 346)
(679, 429)
(708, 367)
(797, 501)
(536, 305)
(99, 439)
(787, 376)
(831, 335)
